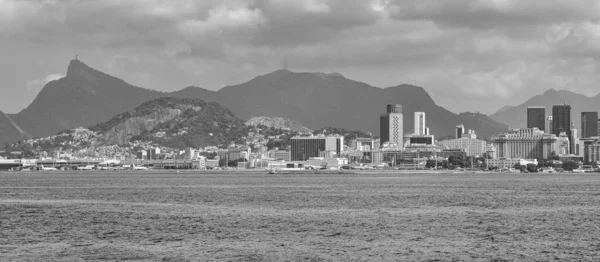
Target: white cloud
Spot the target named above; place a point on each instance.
(36, 85)
(474, 48)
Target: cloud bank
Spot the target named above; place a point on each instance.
(476, 55)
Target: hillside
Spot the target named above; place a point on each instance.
(164, 122)
(516, 116)
(10, 131)
(175, 123)
(278, 123)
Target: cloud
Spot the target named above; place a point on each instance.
(36, 85)
(457, 49)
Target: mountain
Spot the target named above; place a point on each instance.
(86, 96)
(83, 97)
(174, 123)
(316, 100)
(516, 116)
(278, 123)
(9, 130)
(165, 122)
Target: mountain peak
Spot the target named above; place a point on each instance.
(76, 67)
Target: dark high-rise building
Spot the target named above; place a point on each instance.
(460, 130)
(391, 126)
(589, 124)
(561, 121)
(536, 117)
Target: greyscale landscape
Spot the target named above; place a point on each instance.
(299, 130)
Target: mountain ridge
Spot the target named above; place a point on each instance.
(516, 116)
(86, 96)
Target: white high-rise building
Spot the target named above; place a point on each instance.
(420, 128)
(392, 127)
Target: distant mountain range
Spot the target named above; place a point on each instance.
(86, 97)
(516, 116)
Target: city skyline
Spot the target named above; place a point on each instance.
(489, 62)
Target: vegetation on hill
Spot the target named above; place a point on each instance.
(347, 134)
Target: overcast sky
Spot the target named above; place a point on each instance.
(470, 55)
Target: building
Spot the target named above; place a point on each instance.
(529, 143)
(392, 126)
(589, 124)
(508, 163)
(153, 154)
(419, 140)
(142, 154)
(490, 150)
(549, 125)
(536, 117)
(420, 127)
(470, 134)
(325, 162)
(575, 144)
(365, 144)
(561, 121)
(242, 153)
(591, 152)
(563, 144)
(460, 130)
(280, 155)
(303, 148)
(473, 147)
(212, 163)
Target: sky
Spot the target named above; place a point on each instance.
(470, 55)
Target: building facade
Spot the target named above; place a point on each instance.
(589, 124)
(460, 130)
(549, 125)
(561, 121)
(420, 127)
(280, 155)
(392, 126)
(303, 148)
(536, 117)
(591, 152)
(529, 143)
(473, 147)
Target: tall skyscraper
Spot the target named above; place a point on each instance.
(460, 130)
(549, 125)
(392, 126)
(420, 128)
(589, 124)
(536, 117)
(561, 121)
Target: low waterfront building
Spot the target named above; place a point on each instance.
(303, 148)
(508, 163)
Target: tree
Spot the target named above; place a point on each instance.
(431, 164)
(570, 165)
(532, 168)
(553, 156)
